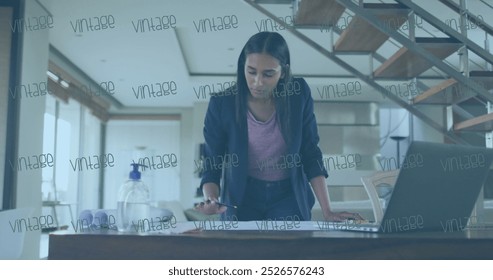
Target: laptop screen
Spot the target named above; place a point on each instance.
(437, 187)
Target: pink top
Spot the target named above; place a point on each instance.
(266, 149)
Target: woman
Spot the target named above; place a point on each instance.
(265, 126)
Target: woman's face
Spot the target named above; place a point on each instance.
(262, 73)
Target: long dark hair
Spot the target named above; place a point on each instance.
(273, 44)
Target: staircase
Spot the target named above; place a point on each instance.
(374, 24)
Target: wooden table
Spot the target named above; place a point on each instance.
(248, 244)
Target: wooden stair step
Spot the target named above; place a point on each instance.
(482, 123)
(318, 13)
(450, 92)
(362, 36)
(406, 64)
(439, 94)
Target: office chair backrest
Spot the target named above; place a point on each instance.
(372, 182)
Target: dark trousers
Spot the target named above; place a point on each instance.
(265, 200)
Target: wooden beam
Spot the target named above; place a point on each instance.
(360, 35)
(318, 13)
(481, 123)
(428, 95)
(409, 64)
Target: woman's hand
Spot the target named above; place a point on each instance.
(342, 216)
(209, 207)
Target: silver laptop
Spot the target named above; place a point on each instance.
(436, 193)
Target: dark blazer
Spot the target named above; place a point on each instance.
(226, 149)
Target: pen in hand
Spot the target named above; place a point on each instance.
(227, 205)
(222, 204)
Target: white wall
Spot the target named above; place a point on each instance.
(422, 131)
(34, 67)
(187, 149)
(131, 140)
(396, 122)
(159, 137)
(393, 122)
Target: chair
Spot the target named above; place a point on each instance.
(11, 238)
(371, 183)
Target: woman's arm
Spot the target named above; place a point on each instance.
(211, 193)
(320, 190)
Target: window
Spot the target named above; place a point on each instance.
(71, 136)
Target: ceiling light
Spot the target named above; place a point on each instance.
(52, 76)
(64, 84)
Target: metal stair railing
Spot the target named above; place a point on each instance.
(472, 17)
(446, 29)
